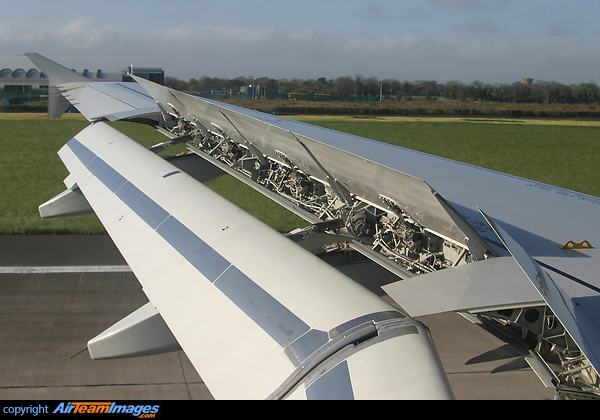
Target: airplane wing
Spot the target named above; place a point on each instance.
(257, 315)
(415, 214)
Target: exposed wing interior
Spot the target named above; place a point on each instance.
(262, 151)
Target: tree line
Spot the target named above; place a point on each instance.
(526, 91)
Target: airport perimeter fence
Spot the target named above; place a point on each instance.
(375, 110)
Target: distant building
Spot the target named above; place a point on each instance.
(156, 75)
(254, 91)
(19, 86)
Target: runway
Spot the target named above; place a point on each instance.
(57, 292)
(48, 312)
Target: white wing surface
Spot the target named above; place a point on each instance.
(258, 316)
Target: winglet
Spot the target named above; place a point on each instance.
(57, 75)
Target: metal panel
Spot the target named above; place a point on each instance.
(68, 203)
(492, 284)
(205, 259)
(113, 101)
(575, 317)
(334, 385)
(142, 205)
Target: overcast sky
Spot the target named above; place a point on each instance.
(494, 41)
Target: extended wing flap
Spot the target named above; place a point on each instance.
(254, 312)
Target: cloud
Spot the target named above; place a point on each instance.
(458, 3)
(567, 26)
(226, 51)
(373, 11)
(474, 4)
(480, 28)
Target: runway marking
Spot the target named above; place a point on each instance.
(65, 269)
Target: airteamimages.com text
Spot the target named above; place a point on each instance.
(76, 408)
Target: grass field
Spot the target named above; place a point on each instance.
(563, 153)
(31, 172)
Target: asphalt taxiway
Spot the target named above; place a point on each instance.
(57, 292)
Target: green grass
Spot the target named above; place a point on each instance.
(31, 172)
(256, 204)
